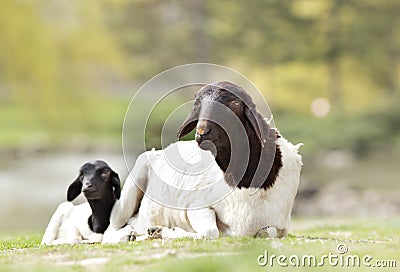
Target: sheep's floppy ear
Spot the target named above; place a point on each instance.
(74, 189)
(255, 126)
(116, 184)
(190, 122)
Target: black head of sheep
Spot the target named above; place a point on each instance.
(96, 180)
(101, 187)
(228, 124)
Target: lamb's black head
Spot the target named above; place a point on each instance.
(96, 180)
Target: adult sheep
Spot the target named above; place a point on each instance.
(244, 187)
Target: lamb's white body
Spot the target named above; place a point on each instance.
(210, 207)
(69, 225)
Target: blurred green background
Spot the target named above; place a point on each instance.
(329, 70)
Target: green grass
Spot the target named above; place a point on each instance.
(378, 238)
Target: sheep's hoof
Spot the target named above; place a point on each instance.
(267, 232)
(129, 234)
(155, 232)
(131, 237)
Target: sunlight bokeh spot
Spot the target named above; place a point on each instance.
(320, 107)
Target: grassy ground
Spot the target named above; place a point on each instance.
(378, 238)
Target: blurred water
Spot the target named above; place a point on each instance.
(32, 187)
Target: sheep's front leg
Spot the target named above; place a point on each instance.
(93, 239)
(203, 222)
(124, 234)
(170, 233)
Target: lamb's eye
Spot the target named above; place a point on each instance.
(104, 174)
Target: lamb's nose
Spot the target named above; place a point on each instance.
(86, 187)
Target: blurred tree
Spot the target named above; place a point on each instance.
(334, 52)
(57, 55)
(376, 41)
(257, 35)
(52, 54)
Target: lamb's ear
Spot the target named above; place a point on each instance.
(250, 114)
(190, 122)
(74, 189)
(116, 184)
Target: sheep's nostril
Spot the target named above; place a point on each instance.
(202, 131)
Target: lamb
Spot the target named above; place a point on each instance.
(85, 223)
(238, 178)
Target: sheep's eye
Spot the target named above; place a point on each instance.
(235, 103)
(104, 174)
(80, 177)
